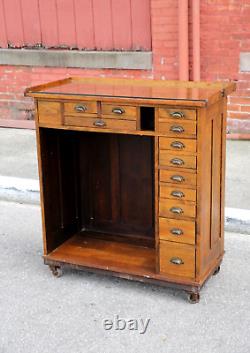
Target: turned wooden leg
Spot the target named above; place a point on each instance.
(56, 270)
(216, 271)
(193, 298)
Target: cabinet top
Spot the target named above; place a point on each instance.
(181, 92)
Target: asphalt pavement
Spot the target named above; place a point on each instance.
(43, 314)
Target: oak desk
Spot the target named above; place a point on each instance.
(132, 177)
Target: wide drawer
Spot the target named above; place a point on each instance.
(168, 159)
(177, 230)
(177, 114)
(116, 124)
(177, 209)
(179, 177)
(178, 128)
(80, 108)
(173, 144)
(119, 111)
(177, 259)
(177, 192)
(49, 113)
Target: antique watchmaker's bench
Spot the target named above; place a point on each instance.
(132, 177)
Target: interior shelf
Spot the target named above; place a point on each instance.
(84, 250)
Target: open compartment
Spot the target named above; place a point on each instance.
(147, 118)
(98, 191)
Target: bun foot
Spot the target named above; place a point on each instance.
(56, 271)
(216, 271)
(193, 298)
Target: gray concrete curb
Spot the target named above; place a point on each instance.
(19, 190)
(27, 191)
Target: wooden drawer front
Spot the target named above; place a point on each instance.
(177, 209)
(49, 113)
(178, 128)
(177, 230)
(175, 160)
(177, 193)
(80, 108)
(112, 124)
(177, 259)
(177, 114)
(178, 177)
(119, 111)
(174, 144)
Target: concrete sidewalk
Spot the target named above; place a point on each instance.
(19, 175)
(43, 314)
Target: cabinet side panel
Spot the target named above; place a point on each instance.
(57, 187)
(209, 186)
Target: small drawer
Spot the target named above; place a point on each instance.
(177, 259)
(178, 128)
(177, 114)
(177, 209)
(174, 144)
(176, 230)
(112, 124)
(179, 177)
(119, 111)
(80, 108)
(177, 193)
(49, 113)
(175, 160)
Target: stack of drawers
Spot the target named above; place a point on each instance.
(177, 191)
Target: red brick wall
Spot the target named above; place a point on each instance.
(225, 32)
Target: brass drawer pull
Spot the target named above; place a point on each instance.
(176, 231)
(178, 178)
(176, 261)
(99, 123)
(178, 194)
(177, 115)
(178, 129)
(178, 145)
(177, 161)
(80, 108)
(118, 111)
(176, 210)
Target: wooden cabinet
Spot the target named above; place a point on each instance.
(132, 177)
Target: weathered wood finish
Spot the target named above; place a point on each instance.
(121, 190)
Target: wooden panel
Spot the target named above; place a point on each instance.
(178, 129)
(49, 113)
(141, 24)
(3, 34)
(119, 110)
(121, 17)
(168, 159)
(170, 251)
(116, 124)
(103, 19)
(176, 230)
(86, 251)
(84, 20)
(117, 184)
(80, 108)
(14, 22)
(177, 114)
(176, 193)
(178, 177)
(186, 145)
(49, 25)
(167, 209)
(66, 23)
(31, 22)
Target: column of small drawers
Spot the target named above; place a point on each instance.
(177, 191)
